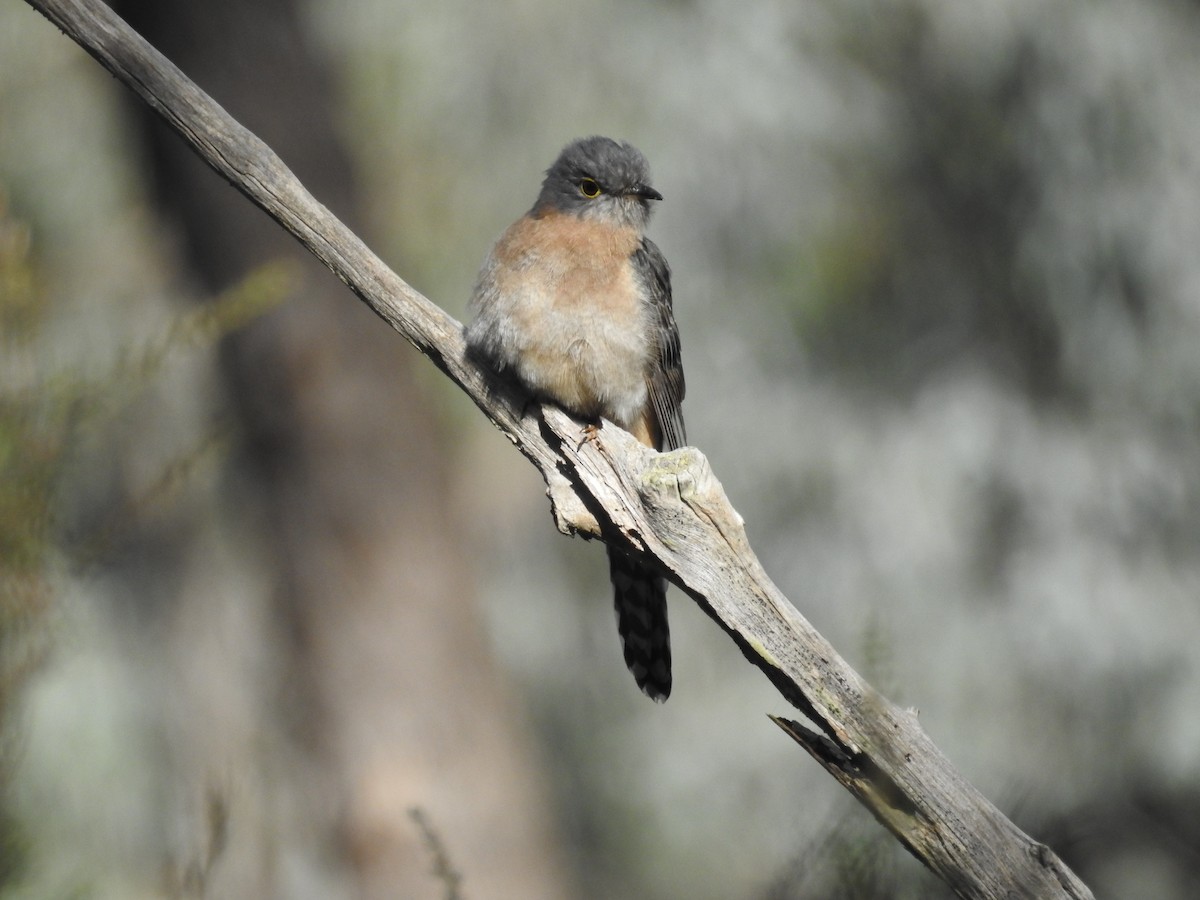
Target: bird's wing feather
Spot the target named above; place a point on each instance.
(664, 376)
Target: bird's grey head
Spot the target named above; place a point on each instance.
(601, 179)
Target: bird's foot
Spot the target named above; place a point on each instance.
(589, 434)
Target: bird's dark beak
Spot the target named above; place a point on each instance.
(644, 192)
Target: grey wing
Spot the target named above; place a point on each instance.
(665, 375)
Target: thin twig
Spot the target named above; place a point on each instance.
(443, 869)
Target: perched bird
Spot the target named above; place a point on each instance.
(575, 301)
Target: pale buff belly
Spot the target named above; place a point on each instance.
(587, 365)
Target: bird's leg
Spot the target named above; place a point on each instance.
(589, 434)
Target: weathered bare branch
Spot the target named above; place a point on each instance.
(668, 508)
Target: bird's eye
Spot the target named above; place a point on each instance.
(589, 188)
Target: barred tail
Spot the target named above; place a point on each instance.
(640, 599)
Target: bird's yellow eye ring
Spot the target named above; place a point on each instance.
(589, 188)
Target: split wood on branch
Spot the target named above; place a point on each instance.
(668, 509)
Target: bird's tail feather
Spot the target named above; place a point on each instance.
(640, 601)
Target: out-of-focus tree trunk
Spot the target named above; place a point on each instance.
(389, 696)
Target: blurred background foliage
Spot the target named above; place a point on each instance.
(269, 584)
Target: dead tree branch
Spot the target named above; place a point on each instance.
(667, 508)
